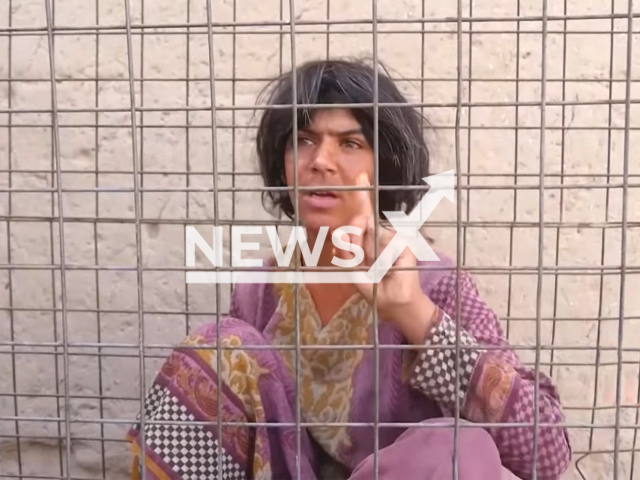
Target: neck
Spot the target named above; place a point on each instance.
(338, 292)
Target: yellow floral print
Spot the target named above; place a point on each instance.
(241, 373)
(325, 375)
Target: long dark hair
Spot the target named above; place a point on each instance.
(403, 154)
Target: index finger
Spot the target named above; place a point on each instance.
(365, 206)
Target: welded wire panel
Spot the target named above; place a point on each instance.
(122, 122)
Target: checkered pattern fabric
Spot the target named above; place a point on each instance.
(514, 443)
(519, 440)
(189, 450)
(154, 398)
(435, 368)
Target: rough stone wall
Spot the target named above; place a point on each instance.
(102, 303)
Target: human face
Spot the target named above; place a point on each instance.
(332, 151)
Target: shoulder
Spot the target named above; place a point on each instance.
(439, 280)
(253, 302)
(432, 273)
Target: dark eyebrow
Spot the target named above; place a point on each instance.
(345, 133)
(336, 133)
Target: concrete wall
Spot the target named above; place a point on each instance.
(103, 304)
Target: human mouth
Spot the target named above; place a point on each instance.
(322, 199)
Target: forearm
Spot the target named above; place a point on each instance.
(434, 369)
(503, 392)
(516, 444)
(492, 389)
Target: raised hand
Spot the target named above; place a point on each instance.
(399, 297)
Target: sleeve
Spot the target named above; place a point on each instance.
(494, 386)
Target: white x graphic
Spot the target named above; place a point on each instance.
(407, 227)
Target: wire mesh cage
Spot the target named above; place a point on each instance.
(124, 121)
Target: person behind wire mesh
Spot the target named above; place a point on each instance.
(335, 147)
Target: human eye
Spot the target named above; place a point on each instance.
(304, 140)
(349, 143)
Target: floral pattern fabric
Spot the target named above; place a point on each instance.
(257, 391)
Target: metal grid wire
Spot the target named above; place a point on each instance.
(122, 121)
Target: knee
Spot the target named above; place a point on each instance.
(427, 451)
(478, 443)
(470, 438)
(475, 450)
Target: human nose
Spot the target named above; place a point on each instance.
(324, 157)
